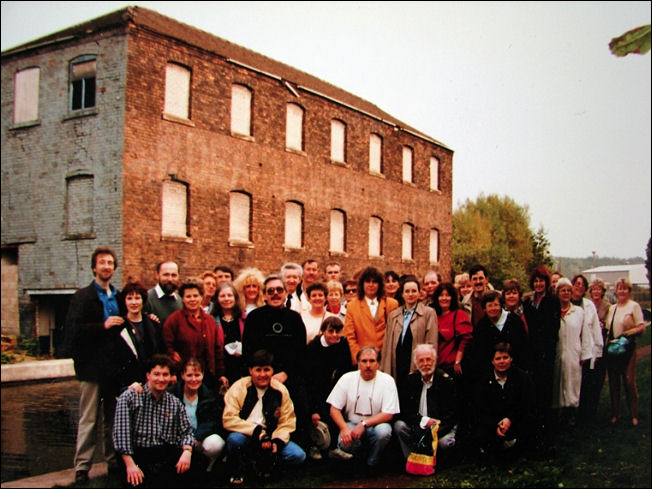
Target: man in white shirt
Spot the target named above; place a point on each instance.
(363, 403)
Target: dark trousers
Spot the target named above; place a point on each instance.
(592, 381)
(159, 466)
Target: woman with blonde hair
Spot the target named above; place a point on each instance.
(249, 285)
(625, 318)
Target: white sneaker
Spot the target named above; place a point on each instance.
(340, 454)
(314, 453)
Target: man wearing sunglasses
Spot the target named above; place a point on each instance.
(280, 330)
(363, 403)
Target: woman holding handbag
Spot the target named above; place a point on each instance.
(625, 318)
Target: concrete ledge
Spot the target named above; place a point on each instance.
(63, 478)
(43, 369)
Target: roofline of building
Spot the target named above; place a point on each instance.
(153, 21)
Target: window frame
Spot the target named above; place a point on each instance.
(301, 129)
(21, 100)
(85, 58)
(286, 228)
(338, 125)
(249, 108)
(407, 150)
(331, 249)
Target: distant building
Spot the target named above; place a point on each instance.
(611, 273)
(162, 141)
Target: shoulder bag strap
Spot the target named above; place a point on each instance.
(611, 327)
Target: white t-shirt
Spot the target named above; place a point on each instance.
(360, 399)
(627, 317)
(313, 323)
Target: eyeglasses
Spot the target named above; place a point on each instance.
(350, 291)
(360, 412)
(271, 290)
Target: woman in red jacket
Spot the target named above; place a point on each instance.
(191, 332)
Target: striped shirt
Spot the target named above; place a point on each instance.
(141, 421)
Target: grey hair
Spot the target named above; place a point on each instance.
(424, 348)
(291, 266)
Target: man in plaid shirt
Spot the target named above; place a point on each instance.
(152, 432)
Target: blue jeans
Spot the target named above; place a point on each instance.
(239, 448)
(375, 438)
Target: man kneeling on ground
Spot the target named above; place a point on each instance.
(152, 432)
(259, 415)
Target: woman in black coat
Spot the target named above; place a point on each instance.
(129, 346)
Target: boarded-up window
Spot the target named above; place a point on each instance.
(241, 110)
(407, 235)
(174, 209)
(82, 83)
(434, 246)
(177, 91)
(407, 164)
(338, 138)
(26, 95)
(375, 236)
(294, 127)
(338, 230)
(239, 217)
(434, 173)
(293, 225)
(375, 153)
(79, 205)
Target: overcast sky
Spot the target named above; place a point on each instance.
(526, 94)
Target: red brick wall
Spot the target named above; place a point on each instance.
(214, 163)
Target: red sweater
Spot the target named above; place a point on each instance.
(452, 337)
(200, 338)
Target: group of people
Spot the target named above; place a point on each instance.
(266, 371)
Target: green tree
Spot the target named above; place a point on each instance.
(495, 232)
(540, 251)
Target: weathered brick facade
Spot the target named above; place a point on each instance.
(128, 149)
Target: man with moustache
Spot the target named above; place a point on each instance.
(472, 303)
(363, 403)
(279, 330)
(163, 300)
(93, 311)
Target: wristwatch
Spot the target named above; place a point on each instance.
(364, 423)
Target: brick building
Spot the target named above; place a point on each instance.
(162, 141)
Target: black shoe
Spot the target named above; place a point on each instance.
(81, 476)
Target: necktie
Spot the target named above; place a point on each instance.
(288, 303)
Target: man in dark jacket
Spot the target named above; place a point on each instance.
(279, 330)
(437, 407)
(93, 311)
(505, 406)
